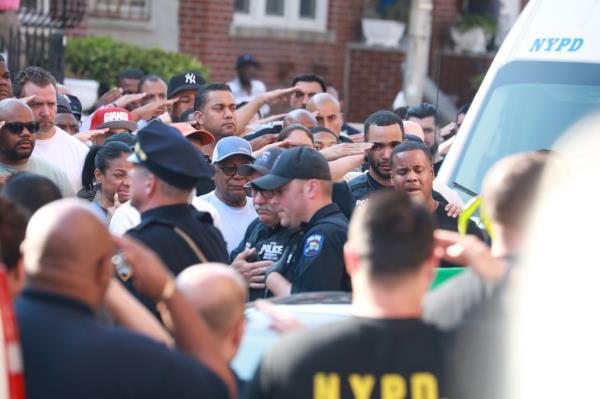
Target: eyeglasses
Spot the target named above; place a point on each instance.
(251, 192)
(230, 170)
(17, 127)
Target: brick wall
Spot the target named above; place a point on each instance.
(374, 79)
(457, 71)
(205, 33)
(445, 14)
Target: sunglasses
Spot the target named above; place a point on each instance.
(17, 127)
(251, 192)
(230, 170)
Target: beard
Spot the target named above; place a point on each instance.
(377, 167)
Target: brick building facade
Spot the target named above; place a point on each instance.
(206, 32)
(368, 78)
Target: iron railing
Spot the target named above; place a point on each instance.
(40, 37)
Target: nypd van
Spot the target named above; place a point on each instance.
(545, 78)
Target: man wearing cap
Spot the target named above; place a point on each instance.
(300, 185)
(245, 87)
(166, 169)
(184, 87)
(199, 138)
(115, 119)
(64, 116)
(229, 197)
(265, 238)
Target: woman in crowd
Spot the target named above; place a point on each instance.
(105, 176)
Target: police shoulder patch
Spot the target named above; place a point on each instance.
(313, 244)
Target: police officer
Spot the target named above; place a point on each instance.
(166, 170)
(265, 238)
(300, 187)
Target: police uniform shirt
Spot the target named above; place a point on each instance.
(157, 231)
(315, 260)
(363, 185)
(445, 222)
(68, 353)
(355, 358)
(341, 195)
(270, 243)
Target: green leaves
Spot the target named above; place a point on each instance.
(102, 58)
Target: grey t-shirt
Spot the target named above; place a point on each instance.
(37, 165)
(446, 306)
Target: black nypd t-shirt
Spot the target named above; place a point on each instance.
(355, 358)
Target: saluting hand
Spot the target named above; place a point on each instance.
(471, 251)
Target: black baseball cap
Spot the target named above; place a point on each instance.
(295, 163)
(76, 107)
(164, 151)
(63, 106)
(246, 59)
(184, 81)
(263, 164)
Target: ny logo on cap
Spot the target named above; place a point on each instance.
(190, 78)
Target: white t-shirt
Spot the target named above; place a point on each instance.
(234, 221)
(256, 87)
(65, 152)
(127, 217)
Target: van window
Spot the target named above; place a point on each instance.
(529, 106)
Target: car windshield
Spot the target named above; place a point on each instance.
(528, 107)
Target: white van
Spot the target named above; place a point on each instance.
(545, 77)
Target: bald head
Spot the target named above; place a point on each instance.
(320, 100)
(327, 110)
(9, 107)
(67, 249)
(413, 128)
(300, 117)
(510, 186)
(217, 292)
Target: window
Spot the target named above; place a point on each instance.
(289, 14)
(242, 6)
(530, 105)
(138, 10)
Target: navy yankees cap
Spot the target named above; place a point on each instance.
(184, 81)
(164, 151)
(295, 163)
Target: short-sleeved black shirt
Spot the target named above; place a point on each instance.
(376, 357)
(156, 230)
(270, 243)
(446, 222)
(314, 258)
(342, 196)
(67, 353)
(363, 185)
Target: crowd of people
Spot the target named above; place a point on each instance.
(133, 235)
